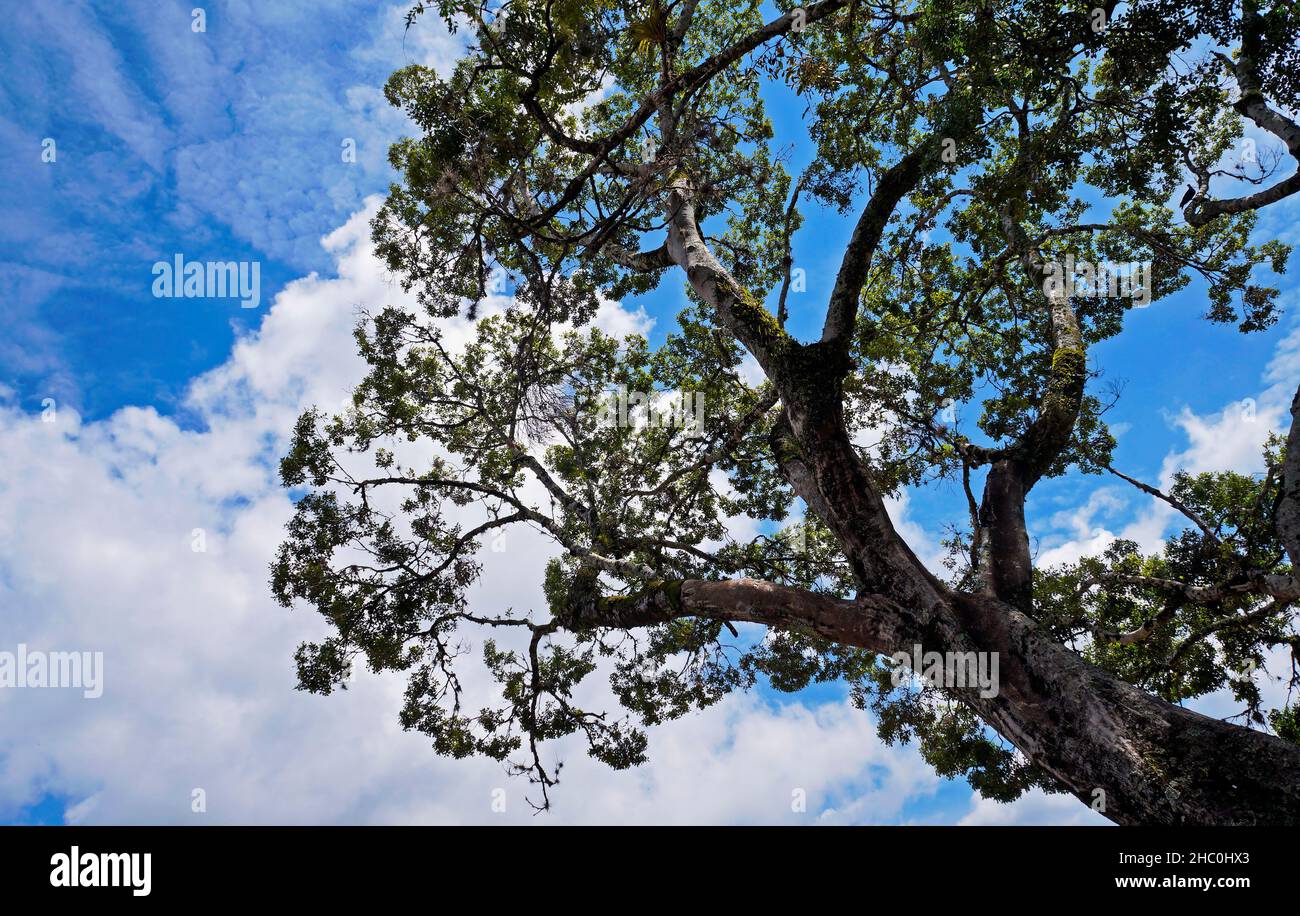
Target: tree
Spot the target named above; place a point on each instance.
(585, 150)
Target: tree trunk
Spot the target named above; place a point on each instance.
(1136, 758)
(1006, 565)
(1133, 757)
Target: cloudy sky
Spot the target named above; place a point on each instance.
(128, 422)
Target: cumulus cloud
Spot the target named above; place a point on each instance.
(98, 525)
(1035, 808)
(1230, 439)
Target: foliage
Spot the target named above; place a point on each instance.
(547, 158)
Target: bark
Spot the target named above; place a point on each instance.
(1155, 762)
(1006, 567)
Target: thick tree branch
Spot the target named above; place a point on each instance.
(869, 622)
(1252, 105)
(898, 181)
(1006, 567)
(738, 310)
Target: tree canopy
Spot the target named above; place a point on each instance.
(584, 151)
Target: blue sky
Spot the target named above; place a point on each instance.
(226, 145)
(222, 144)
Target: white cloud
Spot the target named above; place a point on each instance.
(1033, 808)
(97, 523)
(426, 43)
(1084, 537)
(1071, 551)
(926, 546)
(616, 321)
(1230, 440)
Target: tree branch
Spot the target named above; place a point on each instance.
(1252, 105)
(898, 181)
(1177, 504)
(869, 622)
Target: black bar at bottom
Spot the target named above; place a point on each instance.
(921, 863)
